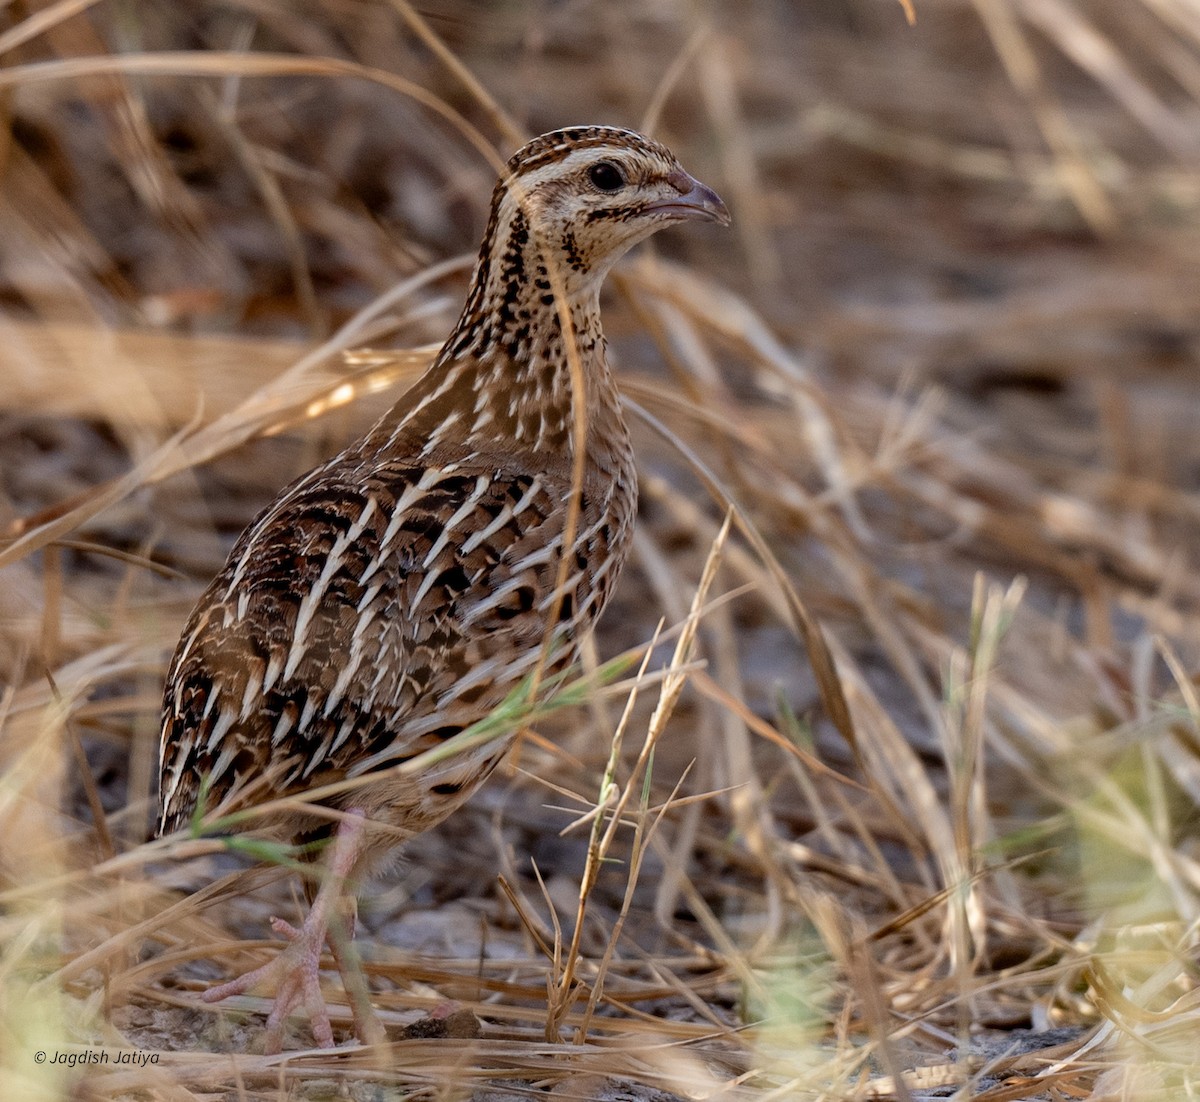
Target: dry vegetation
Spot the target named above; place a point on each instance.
(943, 381)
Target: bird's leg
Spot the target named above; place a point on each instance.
(296, 970)
(367, 1026)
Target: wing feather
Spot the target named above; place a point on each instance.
(347, 623)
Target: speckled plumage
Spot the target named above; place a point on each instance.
(397, 593)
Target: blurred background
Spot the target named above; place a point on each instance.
(944, 364)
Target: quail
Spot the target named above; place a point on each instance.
(399, 592)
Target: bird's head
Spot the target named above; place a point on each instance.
(584, 195)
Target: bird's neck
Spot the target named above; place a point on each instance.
(504, 378)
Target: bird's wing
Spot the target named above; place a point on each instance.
(358, 620)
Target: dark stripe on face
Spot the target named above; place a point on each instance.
(613, 214)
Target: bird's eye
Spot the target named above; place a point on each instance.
(606, 176)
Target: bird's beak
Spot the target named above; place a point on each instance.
(695, 200)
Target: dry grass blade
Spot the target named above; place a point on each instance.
(36, 25)
(805, 624)
(935, 407)
(216, 64)
(1078, 176)
(500, 118)
(615, 798)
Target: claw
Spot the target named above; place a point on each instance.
(295, 972)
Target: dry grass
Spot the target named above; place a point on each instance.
(900, 801)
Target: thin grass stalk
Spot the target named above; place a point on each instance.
(604, 827)
(675, 678)
(563, 991)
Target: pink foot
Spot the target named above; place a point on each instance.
(295, 972)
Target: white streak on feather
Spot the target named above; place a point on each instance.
(220, 729)
(225, 760)
(368, 596)
(449, 381)
(186, 648)
(310, 709)
(250, 695)
(345, 675)
(482, 482)
(535, 488)
(170, 790)
(568, 586)
(316, 756)
(312, 599)
(380, 673)
(435, 438)
(481, 674)
(496, 597)
(407, 499)
(282, 726)
(411, 494)
(264, 524)
(343, 733)
(425, 586)
(502, 518)
(547, 552)
(274, 669)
